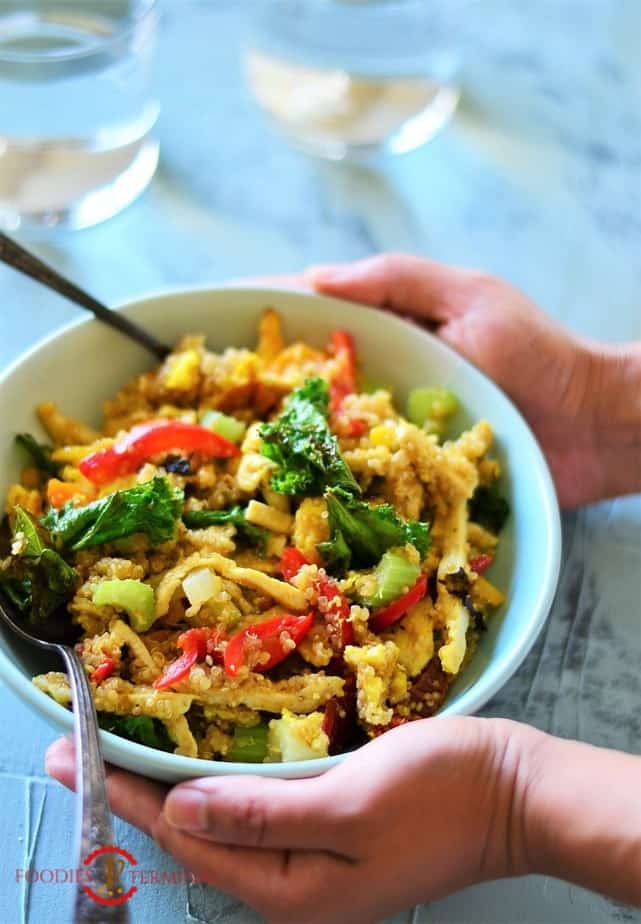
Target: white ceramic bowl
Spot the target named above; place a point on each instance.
(86, 362)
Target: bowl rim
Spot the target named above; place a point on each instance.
(128, 753)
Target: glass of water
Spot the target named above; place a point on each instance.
(76, 109)
(343, 78)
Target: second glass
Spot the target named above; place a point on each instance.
(348, 77)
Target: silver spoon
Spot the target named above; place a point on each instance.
(25, 262)
(93, 822)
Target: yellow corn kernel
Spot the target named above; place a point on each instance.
(71, 473)
(120, 484)
(488, 592)
(183, 370)
(74, 454)
(244, 369)
(383, 435)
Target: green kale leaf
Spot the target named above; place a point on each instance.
(360, 533)
(152, 508)
(40, 453)
(36, 578)
(140, 728)
(489, 508)
(201, 519)
(302, 445)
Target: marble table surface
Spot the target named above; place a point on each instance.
(538, 178)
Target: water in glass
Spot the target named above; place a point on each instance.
(345, 78)
(75, 109)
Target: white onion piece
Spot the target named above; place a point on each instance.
(199, 587)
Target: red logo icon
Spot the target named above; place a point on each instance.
(114, 864)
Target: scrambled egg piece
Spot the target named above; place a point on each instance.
(456, 619)
(413, 636)
(297, 737)
(183, 371)
(377, 680)
(311, 526)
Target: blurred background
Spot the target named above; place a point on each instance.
(535, 177)
(258, 137)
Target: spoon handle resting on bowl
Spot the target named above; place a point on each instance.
(94, 830)
(14, 255)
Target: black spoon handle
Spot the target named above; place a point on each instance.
(25, 262)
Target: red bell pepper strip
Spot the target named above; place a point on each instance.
(149, 439)
(341, 345)
(343, 383)
(105, 669)
(195, 644)
(291, 561)
(264, 644)
(381, 619)
(332, 602)
(355, 426)
(481, 563)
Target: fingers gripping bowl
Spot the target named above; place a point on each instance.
(69, 369)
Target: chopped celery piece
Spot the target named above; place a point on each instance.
(230, 428)
(431, 407)
(134, 597)
(249, 745)
(141, 728)
(395, 575)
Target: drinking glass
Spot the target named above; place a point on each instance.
(343, 78)
(76, 109)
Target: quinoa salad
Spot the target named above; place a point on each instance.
(263, 558)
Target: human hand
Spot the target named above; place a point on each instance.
(582, 399)
(423, 810)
